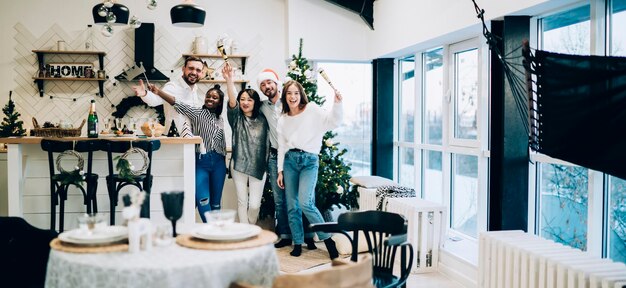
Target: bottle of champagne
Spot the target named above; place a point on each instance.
(173, 131)
(92, 121)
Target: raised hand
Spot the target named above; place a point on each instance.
(228, 72)
(338, 97)
(153, 88)
(140, 90)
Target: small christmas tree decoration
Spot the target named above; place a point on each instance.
(11, 125)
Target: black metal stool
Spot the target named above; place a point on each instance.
(143, 181)
(59, 187)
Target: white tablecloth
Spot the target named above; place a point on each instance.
(170, 266)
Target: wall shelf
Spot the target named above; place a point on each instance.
(41, 61)
(215, 58)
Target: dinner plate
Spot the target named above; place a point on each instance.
(230, 232)
(103, 235)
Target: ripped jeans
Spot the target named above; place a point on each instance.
(210, 177)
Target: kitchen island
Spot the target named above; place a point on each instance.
(29, 184)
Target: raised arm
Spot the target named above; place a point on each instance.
(229, 73)
(146, 96)
(164, 95)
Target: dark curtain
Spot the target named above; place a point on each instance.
(581, 110)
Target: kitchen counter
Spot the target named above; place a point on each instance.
(28, 182)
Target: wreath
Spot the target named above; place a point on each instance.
(126, 170)
(129, 102)
(74, 177)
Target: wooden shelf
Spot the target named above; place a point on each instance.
(68, 79)
(40, 58)
(241, 82)
(218, 57)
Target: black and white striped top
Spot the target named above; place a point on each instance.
(206, 125)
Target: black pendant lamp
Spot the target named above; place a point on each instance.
(120, 11)
(187, 15)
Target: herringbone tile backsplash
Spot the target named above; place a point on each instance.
(69, 100)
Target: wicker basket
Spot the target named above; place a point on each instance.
(56, 132)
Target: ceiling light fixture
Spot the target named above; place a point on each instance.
(116, 14)
(187, 14)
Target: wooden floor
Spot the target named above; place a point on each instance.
(431, 280)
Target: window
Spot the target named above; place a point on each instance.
(406, 122)
(432, 125)
(355, 82)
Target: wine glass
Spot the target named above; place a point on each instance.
(107, 125)
(133, 125)
(152, 124)
(220, 218)
(118, 124)
(173, 207)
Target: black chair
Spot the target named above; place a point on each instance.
(115, 182)
(384, 232)
(24, 251)
(58, 189)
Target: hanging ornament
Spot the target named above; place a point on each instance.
(103, 11)
(108, 3)
(111, 18)
(134, 22)
(152, 4)
(107, 30)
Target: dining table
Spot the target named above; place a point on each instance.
(170, 265)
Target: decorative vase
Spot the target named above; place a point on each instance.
(200, 45)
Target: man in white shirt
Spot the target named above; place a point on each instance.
(183, 88)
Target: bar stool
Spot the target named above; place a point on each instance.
(59, 182)
(143, 181)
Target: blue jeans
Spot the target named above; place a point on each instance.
(300, 178)
(280, 205)
(210, 177)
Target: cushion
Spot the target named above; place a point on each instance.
(372, 181)
(344, 247)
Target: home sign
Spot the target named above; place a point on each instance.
(70, 70)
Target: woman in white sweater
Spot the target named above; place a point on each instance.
(300, 130)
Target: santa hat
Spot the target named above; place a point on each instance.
(268, 74)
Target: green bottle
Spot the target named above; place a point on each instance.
(92, 121)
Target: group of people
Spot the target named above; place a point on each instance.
(279, 137)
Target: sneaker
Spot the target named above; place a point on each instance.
(297, 250)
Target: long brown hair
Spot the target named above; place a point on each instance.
(303, 98)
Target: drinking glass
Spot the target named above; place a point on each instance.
(133, 125)
(152, 122)
(107, 125)
(163, 234)
(173, 206)
(88, 223)
(220, 218)
(118, 124)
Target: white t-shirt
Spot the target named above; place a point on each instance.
(306, 130)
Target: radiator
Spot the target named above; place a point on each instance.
(426, 229)
(517, 259)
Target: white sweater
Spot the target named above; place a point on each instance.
(306, 130)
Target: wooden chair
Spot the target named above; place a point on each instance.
(384, 233)
(342, 274)
(24, 249)
(58, 189)
(143, 181)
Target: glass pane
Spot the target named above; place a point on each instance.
(432, 178)
(466, 94)
(433, 96)
(568, 32)
(617, 219)
(407, 99)
(618, 28)
(407, 167)
(465, 194)
(355, 134)
(563, 194)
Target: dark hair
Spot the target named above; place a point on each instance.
(218, 109)
(192, 58)
(303, 99)
(257, 101)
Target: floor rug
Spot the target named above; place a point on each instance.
(308, 259)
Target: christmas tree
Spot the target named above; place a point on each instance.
(333, 174)
(11, 125)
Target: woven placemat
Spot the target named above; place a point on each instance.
(59, 245)
(264, 238)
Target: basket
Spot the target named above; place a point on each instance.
(56, 132)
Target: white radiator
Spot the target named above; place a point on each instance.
(426, 229)
(515, 259)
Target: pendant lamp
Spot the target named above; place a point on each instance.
(116, 14)
(187, 14)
